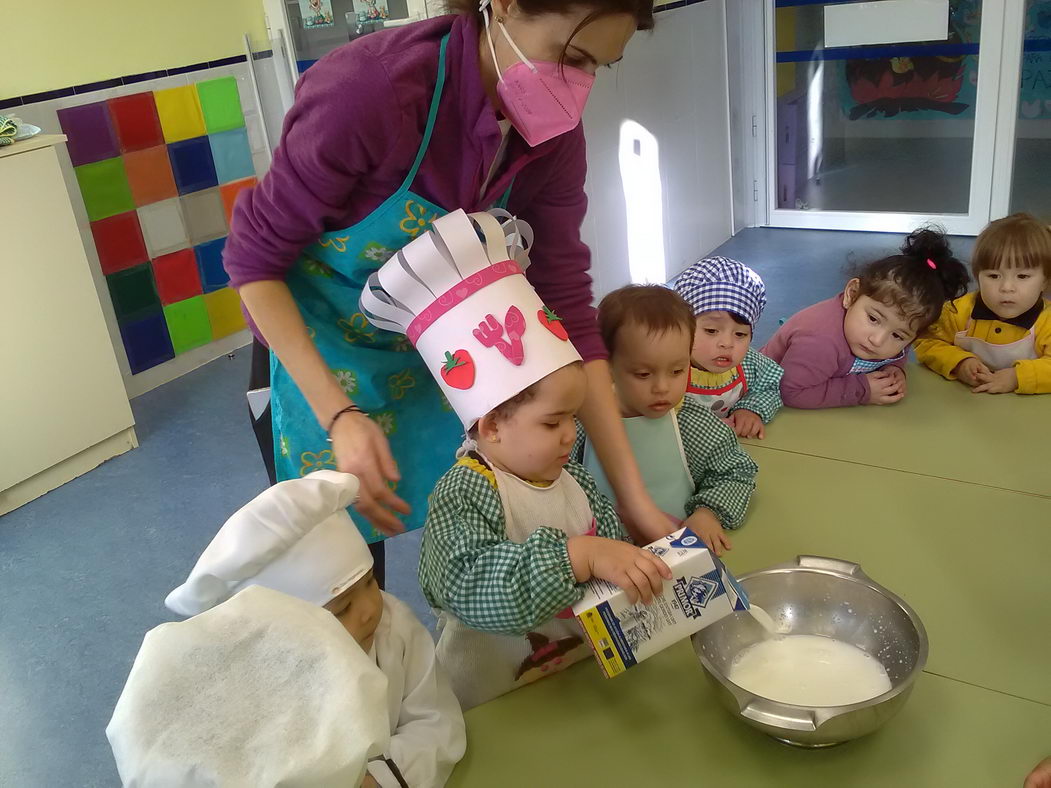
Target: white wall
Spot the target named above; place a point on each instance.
(673, 82)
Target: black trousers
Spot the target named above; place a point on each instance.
(259, 378)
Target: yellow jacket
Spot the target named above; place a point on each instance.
(935, 346)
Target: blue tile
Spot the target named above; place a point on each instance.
(147, 342)
(232, 155)
(210, 264)
(192, 164)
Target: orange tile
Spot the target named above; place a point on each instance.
(229, 192)
(150, 175)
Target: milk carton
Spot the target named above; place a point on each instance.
(700, 592)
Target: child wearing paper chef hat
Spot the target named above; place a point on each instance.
(297, 538)
(514, 528)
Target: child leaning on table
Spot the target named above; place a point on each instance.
(998, 338)
(851, 349)
(689, 458)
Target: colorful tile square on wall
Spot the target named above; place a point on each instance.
(158, 172)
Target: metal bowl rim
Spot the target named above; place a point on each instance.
(863, 579)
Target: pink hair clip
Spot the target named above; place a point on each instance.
(932, 264)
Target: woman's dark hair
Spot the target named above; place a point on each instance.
(919, 280)
(640, 10)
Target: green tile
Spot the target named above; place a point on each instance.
(221, 104)
(104, 186)
(134, 293)
(188, 323)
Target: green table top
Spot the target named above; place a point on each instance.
(972, 561)
(660, 724)
(949, 433)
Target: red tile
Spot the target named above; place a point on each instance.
(176, 276)
(136, 122)
(150, 175)
(118, 240)
(229, 192)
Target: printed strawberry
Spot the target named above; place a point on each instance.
(458, 370)
(553, 323)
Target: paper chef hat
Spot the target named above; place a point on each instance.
(295, 537)
(263, 690)
(459, 293)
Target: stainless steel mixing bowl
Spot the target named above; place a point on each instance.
(818, 596)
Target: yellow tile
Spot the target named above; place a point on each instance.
(180, 112)
(224, 312)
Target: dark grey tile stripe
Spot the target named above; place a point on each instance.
(130, 79)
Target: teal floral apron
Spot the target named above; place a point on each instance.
(379, 370)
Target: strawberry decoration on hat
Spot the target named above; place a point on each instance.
(459, 294)
(553, 323)
(458, 369)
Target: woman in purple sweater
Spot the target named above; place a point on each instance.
(470, 111)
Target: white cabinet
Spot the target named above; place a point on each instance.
(63, 406)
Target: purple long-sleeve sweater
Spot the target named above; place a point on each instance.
(814, 353)
(353, 133)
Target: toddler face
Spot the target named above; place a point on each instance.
(1011, 292)
(359, 609)
(874, 330)
(650, 371)
(534, 442)
(719, 343)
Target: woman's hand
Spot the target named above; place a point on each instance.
(361, 448)
(638, 571)
(645, 522)
(1040, 777)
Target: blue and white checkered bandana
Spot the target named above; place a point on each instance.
(720, 284)
(862, 366)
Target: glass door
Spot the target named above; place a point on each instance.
(1022, 179)
(884, 113)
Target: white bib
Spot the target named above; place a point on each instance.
(484, 665)
(657, 446)
(998, 356)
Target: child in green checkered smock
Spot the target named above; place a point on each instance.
(690, 460)
(512, 533)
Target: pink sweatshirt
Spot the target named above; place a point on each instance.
(352, 135)
(814, 353)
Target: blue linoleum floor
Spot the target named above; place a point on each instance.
(84, 570)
